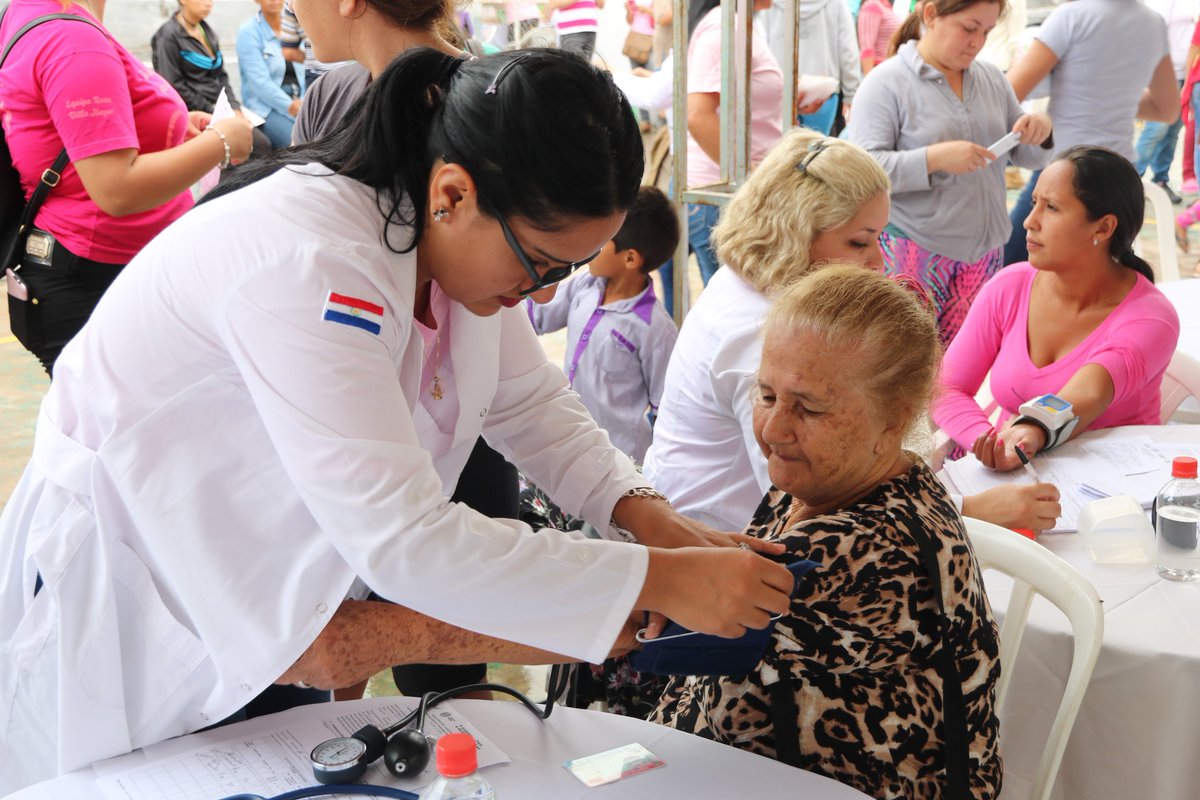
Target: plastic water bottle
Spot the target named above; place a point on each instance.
(1178, 522)
(457, 778)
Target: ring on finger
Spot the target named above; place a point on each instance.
(743, 546)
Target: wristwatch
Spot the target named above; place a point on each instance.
(1054, 415)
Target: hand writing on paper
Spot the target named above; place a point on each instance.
(1028, 505)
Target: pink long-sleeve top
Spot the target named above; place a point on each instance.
(876, 24)
(1134, 344)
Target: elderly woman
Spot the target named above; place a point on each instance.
(882, 673)
(704, 456)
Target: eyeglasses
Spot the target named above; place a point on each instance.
(552, 276)
(815, 149)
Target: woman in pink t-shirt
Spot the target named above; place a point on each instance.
(1081, 319)
(134, 152)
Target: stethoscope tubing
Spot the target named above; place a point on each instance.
(360, 789)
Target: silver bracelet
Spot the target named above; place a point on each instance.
(637, 491)
(224, 143)
(644, 491)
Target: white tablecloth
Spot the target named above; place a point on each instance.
(1137, 736)
(695, 767)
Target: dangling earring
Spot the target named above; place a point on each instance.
(440, 215)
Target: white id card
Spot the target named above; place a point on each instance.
(613, 765)
(1005, 143)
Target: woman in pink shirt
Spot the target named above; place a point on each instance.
(1081, 319)
(876, 24)
(134, 152)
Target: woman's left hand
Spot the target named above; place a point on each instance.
(998, 451)
(1034, 128)
(197, 123)
(656, 524)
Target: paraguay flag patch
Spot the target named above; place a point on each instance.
(353, 311)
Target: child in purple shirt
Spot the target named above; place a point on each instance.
(619, 337)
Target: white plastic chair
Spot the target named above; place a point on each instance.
(1181, 381)
(1164, 223)
(1034, 569)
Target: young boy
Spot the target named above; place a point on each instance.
(619, 337)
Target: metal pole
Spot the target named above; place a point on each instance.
(679, 156)
(737, 20)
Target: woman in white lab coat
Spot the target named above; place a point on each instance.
(269, 407)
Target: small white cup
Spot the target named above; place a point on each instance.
(1116, 530)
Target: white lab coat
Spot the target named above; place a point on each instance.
(215, 464)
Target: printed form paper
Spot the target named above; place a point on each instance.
(269, 756)
(1135, 466)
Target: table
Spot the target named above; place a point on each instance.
(696, 768)
(1138, 732)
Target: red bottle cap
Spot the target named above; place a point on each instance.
(1183, 467)
(456, 755)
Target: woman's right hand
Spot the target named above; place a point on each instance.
(240, 135)
(716, 590)
(957, 157)
(1020, 505)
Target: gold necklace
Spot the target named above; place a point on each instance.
(435, 391)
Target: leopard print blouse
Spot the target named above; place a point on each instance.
(860, 647)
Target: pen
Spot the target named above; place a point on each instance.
(1033, 473)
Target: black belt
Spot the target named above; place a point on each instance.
(43, 250)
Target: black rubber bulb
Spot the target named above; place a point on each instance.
(406, 753)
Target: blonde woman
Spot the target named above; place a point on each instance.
(813, 199)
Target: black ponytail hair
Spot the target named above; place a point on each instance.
(1106, 183)
(545, 136)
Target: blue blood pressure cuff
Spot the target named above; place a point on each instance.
(678, 651)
